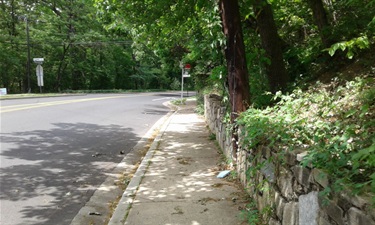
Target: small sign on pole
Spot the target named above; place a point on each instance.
(3, 91)
(185, 73)
(187, 67)
(39, 72)
(38, 60)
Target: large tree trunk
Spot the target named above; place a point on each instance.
(321, 21)
(238, 80)
(271, 42)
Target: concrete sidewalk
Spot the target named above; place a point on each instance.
(177, 181)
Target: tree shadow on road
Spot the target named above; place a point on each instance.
(54, 172)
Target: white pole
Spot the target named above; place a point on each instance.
(182, 83)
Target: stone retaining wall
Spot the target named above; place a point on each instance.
(285, 192)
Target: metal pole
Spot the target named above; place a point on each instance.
(39, 67)
(28, 56)
(182, 83)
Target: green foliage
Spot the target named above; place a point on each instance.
(212, 137)
(79, 53)
(351, 46)
(175, 31)
(200, 104)
(218, 75)
(352, 18)
(176, 84)
(139, 44)
(181, 101)
(334, 124)
(258, 81)
(253, 216)
(250, 214)
(300, 36)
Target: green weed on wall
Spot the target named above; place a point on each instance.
(333, 123)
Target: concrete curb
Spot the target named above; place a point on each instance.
(120, 214)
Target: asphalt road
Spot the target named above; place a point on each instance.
(56, 151)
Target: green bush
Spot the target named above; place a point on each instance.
(175, 85)
(333, 123)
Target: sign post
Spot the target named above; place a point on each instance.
(185, 73)
(39, 72)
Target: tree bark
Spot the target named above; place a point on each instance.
(321, 21)
(238, 80)
(271, 42)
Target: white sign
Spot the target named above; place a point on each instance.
(38, 60)
(186, 74)
(3, 91)
(39, 74)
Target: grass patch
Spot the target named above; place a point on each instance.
(112, 208)
(250, 214)
(179, 101)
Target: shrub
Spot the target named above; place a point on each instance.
(333, 123)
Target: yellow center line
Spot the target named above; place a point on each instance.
(13, 108)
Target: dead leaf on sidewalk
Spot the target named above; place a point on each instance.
(178, 210)
(204, 210)
(97, 154)
(217, 185)
(180, 197)
(184, 160)
(203, 201)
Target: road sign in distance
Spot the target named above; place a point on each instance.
(38, 60)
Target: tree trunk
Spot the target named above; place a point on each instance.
(271, 42)
(321, 21)
(238, 80)
(60, 69)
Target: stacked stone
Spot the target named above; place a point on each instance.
(289, 190)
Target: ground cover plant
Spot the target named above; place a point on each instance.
(333, 122)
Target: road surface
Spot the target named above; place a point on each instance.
(56, 151)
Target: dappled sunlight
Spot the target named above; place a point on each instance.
(177, 127)
(53, 170)
(181, 183)
(182, 187)
(192, 223)
(58, 169)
